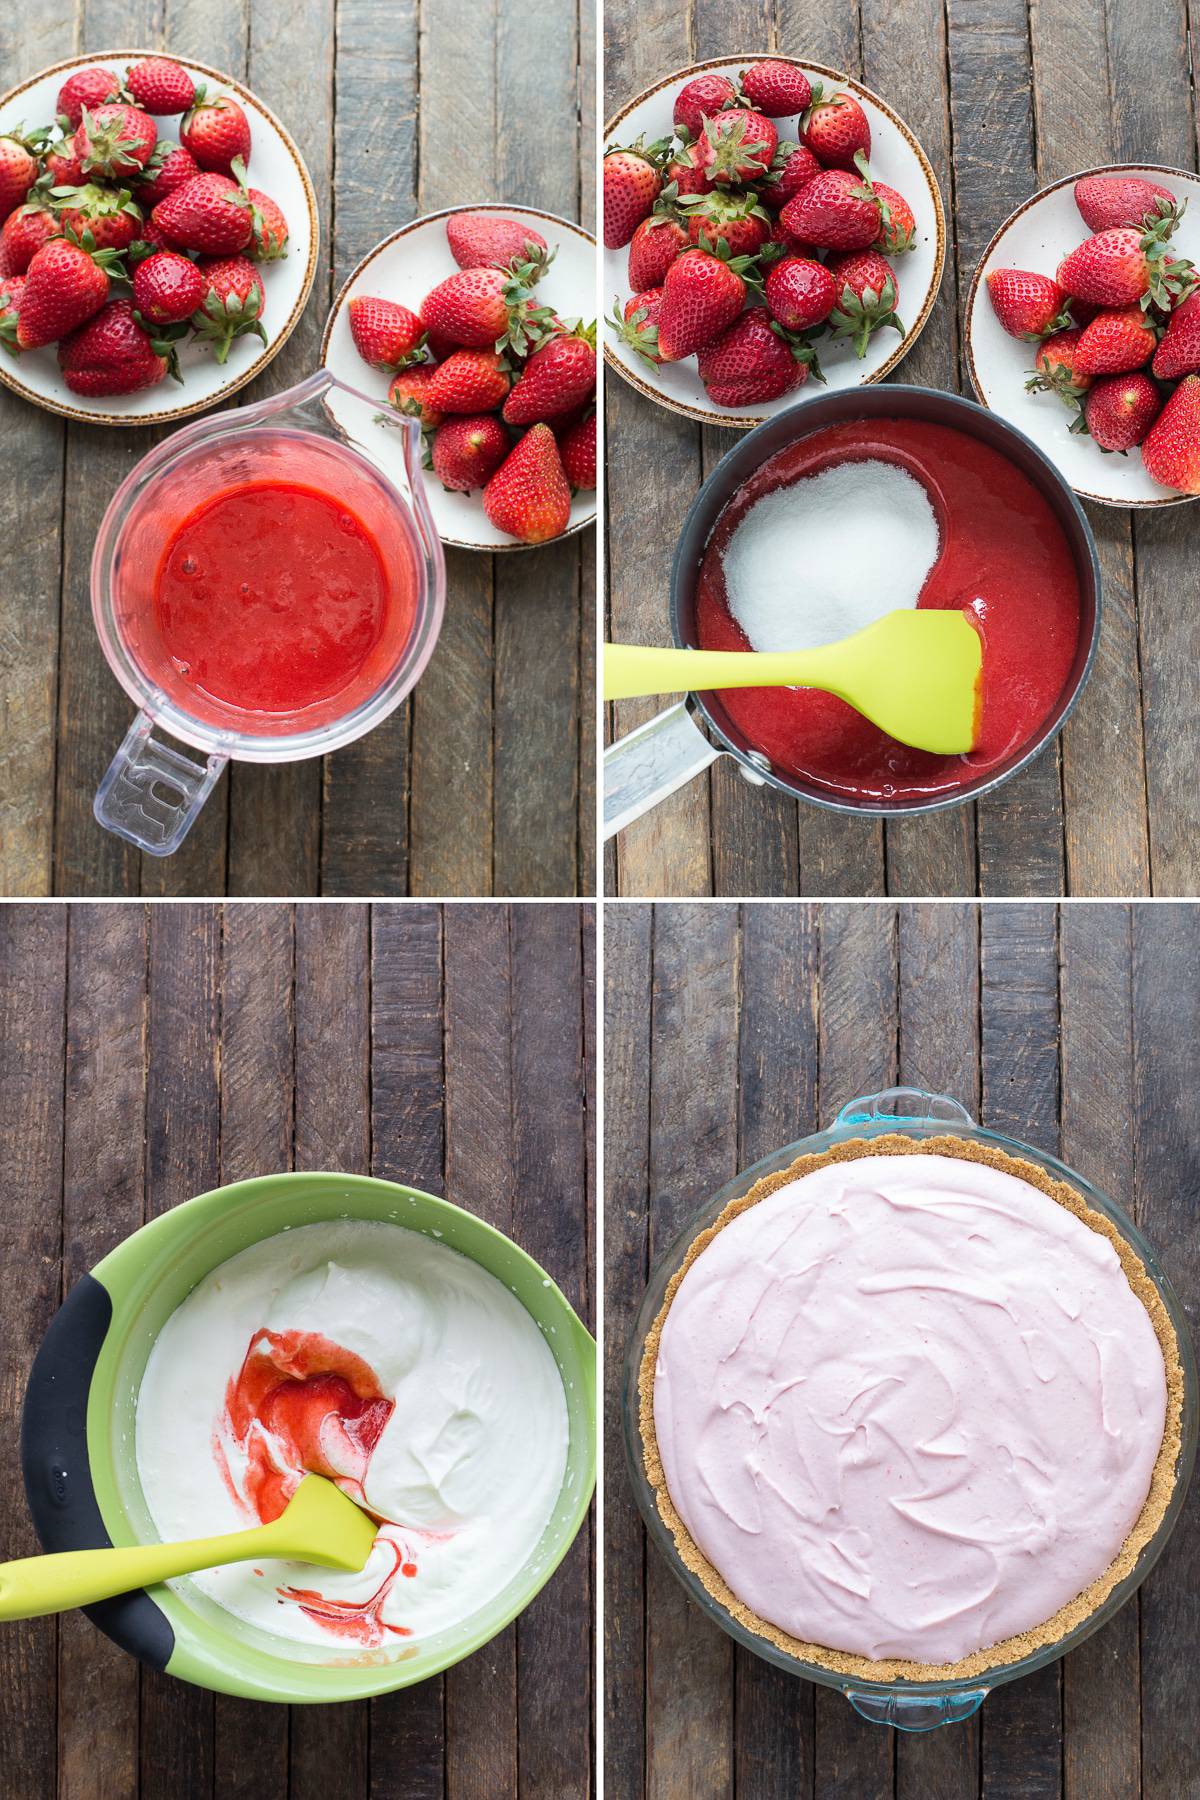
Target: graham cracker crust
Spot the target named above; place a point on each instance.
(1162, 1482)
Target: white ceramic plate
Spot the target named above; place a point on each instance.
(896, 158)
(404, 267)
(277, 168)
(1037, 236)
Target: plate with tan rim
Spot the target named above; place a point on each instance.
(404, 268)
(276, 167)
(896, 158)
(1037, 236)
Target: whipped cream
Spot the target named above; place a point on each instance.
(908, 1406)
(388, 1361)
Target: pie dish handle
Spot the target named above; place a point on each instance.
(903, 1105)
(651, 763)
(917, 1712)
(152, 793)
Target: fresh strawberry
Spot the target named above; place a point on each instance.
(1106, 202)
(11, 289)
(409, 394)
(632, 183)
(1120, 409)
(1054, 370)
(18, 166)
(528, 496)
(269, 228)
(835, 210)
(754, 360)
(703, 97)
(577, 447)
(1027, 305)
(787, 175)
(467, 452)
(800, 293)
(835, 130)
(488, 241)
(478, 308)
(737, 146)
(868, 295)
(1115, 342)
(169, 168)
(1179, 352)
(1127, 267)
(738, 222)
(22, 236)
(113, 353)
(898, 230)
(557, 379)
(701, 295)
(776, 88)
(159, 86)
(637, 324)
(86, 87)
(654, 246)
(386, 334)
(217, 133)
(686, 174)
(231, 304)
(151, 240)
(115, 142)
(210, 213)
(65, 285)
(109, 214)
(63, 166)
(470, 381)
(167, 288)
(1171, 451)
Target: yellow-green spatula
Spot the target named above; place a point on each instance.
(318, 1525)
(913, 673)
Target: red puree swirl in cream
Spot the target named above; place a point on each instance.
(1004, 558)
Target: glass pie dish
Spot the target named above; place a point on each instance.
(910, 1705)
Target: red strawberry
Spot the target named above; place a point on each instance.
(86, 87)
(753, 361)
(868, 295)
(487, 241)
(231, 305)
(737, 146)
(467, 452)
(409, 394)
(159, 86)
(115, 142)
(169, 168)
(738, 222)
(686, 173)
(63, 166)
(701, 296)
(632, 183)
(1179, 352)
(786, 178)
(1108, 201)
(898, 230)
(107, 213)
(470, 381)
(18, 166)
(1120, 409)
(835, 210)
(478, 308)
(800, 293)
(114, 354)
(11, 289)
(637, 325)
(22, 236)
(167, 288)
(776, 88)
(152, 239)
(557, 378)
(217, 133)
(1126, 267)
(703, 97)
(210, 213)
(65, 285)
(386, 335)
(1054, 370)
(656, 243)
(835, 130)
(577, 447)
(528, 496)
(1171, 452)
(1115, 342)
(268, 226)
(1027, 305)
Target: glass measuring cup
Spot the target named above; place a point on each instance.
(336, 444)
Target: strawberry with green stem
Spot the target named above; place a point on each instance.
(778, 89)
(754, 360)
(737, 147)
(470, 381)
(11, 289)
(703, 97)
(556, 380)
(656, 243)
(1179, 352)
(160, 86)
(1115, 342)
(702, 294)
(216, 132)
(528, 497)
(738, 221)
(386, 335)
(111, 215)
(466, 451)
(488, 241)
(836, 210)
(836, 129)
(478, 308)
(231, 304)
(1119, 410)
(114, 353)
(115, 142)
(86, 87)
(19, 154)
(167, 288)
(636, 324)
(631, 181)
(1028, 305)
(1128, 266)
(868, 295)
(1054, 370)
(66, 283)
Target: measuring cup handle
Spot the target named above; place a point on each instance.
(651, 763)
(152, 792)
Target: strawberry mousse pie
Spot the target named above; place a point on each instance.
(911, 1409)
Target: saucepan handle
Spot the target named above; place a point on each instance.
(643, 768)
(152, 792)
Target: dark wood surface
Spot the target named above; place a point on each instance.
(482, 781)
(733, 1031)
(1005, 97)
(147, 1054)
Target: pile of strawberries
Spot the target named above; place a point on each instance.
(744, 247)
(503, 389)
(1118, 328)
(118, 244)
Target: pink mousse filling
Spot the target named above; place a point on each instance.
(908, 1406)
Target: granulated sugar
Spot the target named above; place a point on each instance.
(815, 561)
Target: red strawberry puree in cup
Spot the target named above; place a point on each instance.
(1003, 558)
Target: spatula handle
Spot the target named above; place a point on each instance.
(631, 670)
(35, 1585)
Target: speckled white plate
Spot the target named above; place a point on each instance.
(404, 267)
(1037, 236)
(277, 168)
(896, 158)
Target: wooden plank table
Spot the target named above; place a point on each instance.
(149, 1053)
(483, 781)
(1005, 96)
(733, 1031)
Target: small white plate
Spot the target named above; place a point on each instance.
(1037, 236)
(896, 159)
(277, 168)
(404, 268)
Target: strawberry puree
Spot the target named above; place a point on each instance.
(360, 1620)
(1004, 559)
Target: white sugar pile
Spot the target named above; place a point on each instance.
(813, 562)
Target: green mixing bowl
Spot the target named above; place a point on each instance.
(77, 1436)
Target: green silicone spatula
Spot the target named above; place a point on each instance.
(318, 1525)
(913, 673)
